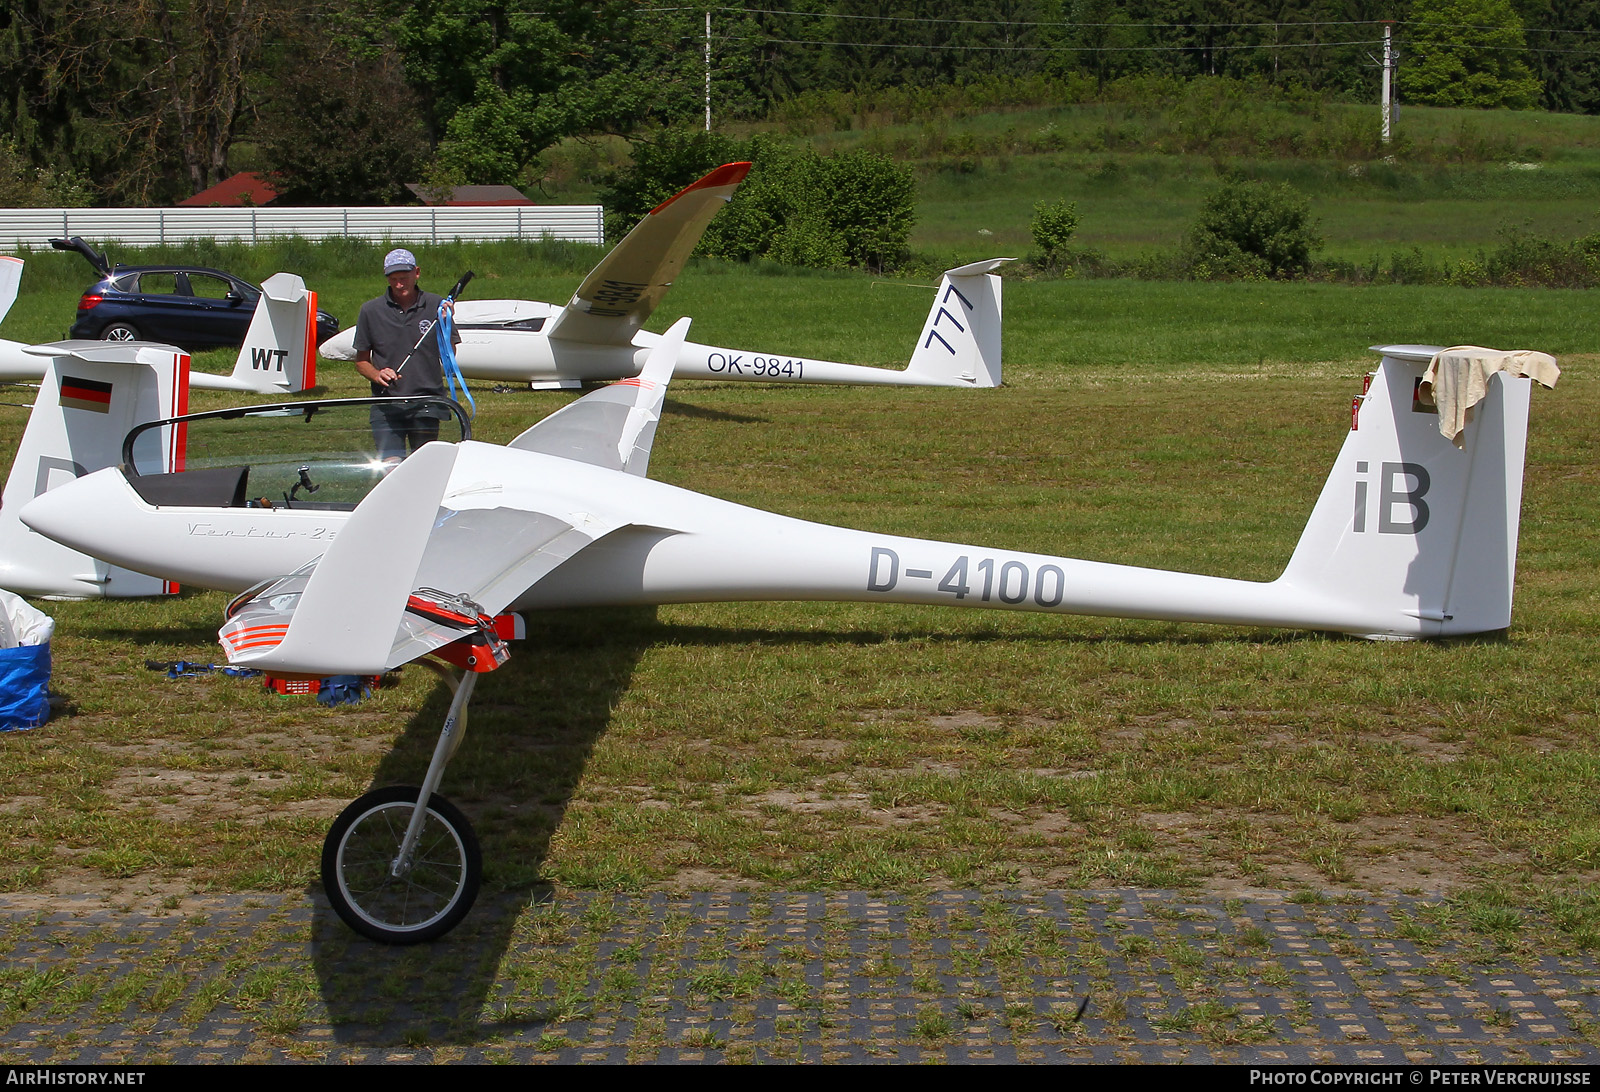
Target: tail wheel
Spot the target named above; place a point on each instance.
(431, 894)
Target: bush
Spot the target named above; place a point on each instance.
(1052, 228)
(1253, 231)
(662, 165)
(23, 185)
(1524, 259)
(856, 208)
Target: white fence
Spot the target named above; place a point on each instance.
(402, 224)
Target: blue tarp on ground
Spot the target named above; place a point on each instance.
(24, 686)
(24, 664)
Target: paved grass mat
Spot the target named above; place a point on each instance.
(745, 977)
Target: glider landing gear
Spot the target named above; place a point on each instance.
(401, 865)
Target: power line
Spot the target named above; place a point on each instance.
(1055, 48)
(1312, 24)
(1024, 22)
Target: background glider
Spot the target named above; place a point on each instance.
(599, 335)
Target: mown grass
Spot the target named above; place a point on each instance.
(789, 746)
(1052, 327)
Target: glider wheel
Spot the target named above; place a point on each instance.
(425, 902)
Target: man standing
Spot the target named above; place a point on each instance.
(398, 352)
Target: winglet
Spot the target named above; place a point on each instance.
(729, 174)
(344, 622)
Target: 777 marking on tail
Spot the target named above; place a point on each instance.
(944, 314)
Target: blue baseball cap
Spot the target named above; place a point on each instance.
(398, 261)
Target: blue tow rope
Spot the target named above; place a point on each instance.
(447, 358)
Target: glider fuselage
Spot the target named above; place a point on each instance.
(524, 356)
(679, 547)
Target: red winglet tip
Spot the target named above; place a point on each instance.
(729, 174)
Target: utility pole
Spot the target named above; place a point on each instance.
(708, 81)
(1388, 76)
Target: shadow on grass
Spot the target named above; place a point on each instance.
(532, 726)
(706, 413)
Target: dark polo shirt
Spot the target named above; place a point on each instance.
(389, 332)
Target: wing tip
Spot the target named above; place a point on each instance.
(729, 174)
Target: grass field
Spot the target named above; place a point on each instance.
(855, 747)
(1139, 170)
(1052, 327)
(1133, 204)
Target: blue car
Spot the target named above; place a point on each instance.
(191, 307)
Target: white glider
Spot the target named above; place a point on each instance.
(278, 355)
(599, 334)
(1410, 538)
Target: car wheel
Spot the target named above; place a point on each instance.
(119, 331)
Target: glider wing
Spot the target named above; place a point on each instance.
(419, 565)
(619, 294)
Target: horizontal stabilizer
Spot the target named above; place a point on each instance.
(613, 427)
(105, 352)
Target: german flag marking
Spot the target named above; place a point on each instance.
(85, 394)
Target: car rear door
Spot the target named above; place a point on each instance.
(161, 307)
(222, 312)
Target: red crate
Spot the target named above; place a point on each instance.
(307, 686)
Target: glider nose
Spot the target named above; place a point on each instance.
(76, 513)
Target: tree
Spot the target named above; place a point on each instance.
(1568, 63)
(662, 164)
(796, 207)
(57, 57)
(500, 85)
(195, 90)
(1107, 42)
(342, 130)
(23, 185)
(1466, 53)
(1052, 226)
(146, 97)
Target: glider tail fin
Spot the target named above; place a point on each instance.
(1408, 524)
(10, 281)
(960, 341)
(92, 394)
(279, 354)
